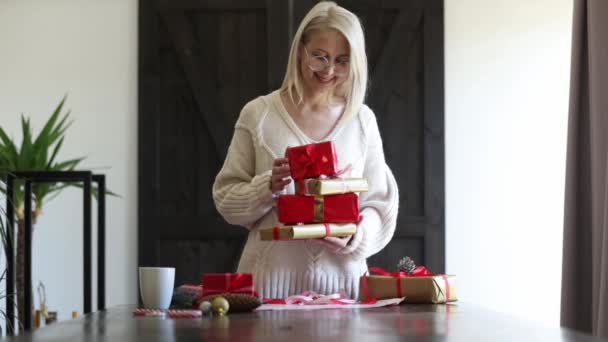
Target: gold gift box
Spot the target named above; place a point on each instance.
(332, 186)
(427, 289)
(308, 231)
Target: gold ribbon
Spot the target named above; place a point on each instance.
(319, 206)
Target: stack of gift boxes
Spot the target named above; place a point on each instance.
(327, 205)
(324, 204)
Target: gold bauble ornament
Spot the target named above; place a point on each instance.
(220, 305)
(239, 302)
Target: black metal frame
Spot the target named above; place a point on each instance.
(86, 177)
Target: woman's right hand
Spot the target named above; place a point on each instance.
(280, 175)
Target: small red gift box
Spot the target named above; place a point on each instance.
(312, 160)
(342, 208)
(218, 283)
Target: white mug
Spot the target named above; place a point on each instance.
(156, 286)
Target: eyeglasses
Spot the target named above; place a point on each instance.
(320, 63)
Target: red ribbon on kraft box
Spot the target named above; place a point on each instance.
(419, 271)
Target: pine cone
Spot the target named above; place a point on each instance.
(406, 265)
(239, 302)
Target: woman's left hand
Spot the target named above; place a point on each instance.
(334, 243)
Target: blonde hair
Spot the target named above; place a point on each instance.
(327, 15)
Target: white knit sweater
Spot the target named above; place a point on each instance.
(242, 196)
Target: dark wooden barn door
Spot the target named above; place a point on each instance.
(202, 60)
(404, 40)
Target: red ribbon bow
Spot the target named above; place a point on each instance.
(419, 271)
(309, 163)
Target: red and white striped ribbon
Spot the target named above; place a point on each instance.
(313, 298)
(168, 313)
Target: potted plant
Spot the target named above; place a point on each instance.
(36, 153)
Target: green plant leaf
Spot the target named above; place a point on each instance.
(68, 165)
(57, 133)
(6, 160)
(10, 156)
(94, 191)
(48, 137)
(5, 139)
(25, 154)
(55, 191)
(40, 191)
(63, 125)
(50, 123)
(38, 153)
(55, 151)
(9, 153)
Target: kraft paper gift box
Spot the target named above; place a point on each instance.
(330, 186)
(434, 289)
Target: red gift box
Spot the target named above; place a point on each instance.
(313, 160)
(342, 208)
(218, 283)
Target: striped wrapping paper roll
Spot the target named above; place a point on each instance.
(167, 313)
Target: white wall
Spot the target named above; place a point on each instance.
(507, 81)
(87, 49)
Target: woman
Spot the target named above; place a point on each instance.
(321, 99)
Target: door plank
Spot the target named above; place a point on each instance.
(204, 94)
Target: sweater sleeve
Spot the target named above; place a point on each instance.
(379, 205)
(241, 196)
